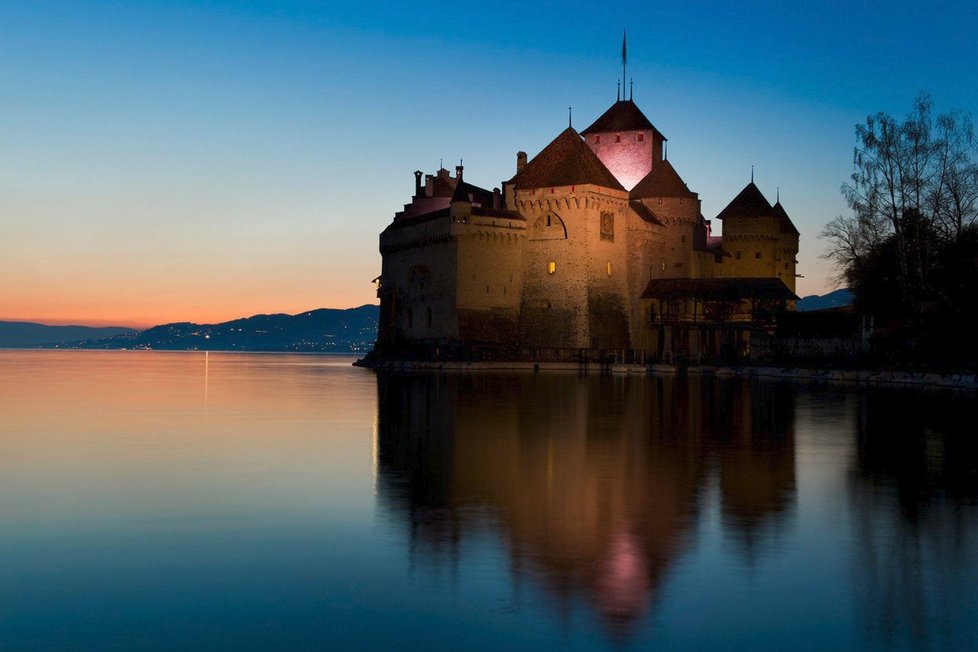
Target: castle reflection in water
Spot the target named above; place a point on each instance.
(598, 485)
(595, 483)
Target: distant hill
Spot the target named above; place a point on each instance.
(836, 299)
(322, 331)
(25, 334)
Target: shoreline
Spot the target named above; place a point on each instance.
(852, 377)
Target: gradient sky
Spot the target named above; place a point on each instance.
(201, 161)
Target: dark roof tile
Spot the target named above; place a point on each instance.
(749, 203)
(787, 226)
(727, 289)
(624, 115)
(566, 161)
(661, 181)
(644, 212)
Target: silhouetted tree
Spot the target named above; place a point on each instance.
(908, 248)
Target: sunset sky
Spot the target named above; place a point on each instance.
(202, 161)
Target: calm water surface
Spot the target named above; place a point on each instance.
(233, 501)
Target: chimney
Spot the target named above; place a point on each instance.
(520, 161)
(417, 182)
(496, 199)
(458, 172)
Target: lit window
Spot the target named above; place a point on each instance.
(551, 267)
(609, 268)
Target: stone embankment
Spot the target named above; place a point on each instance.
(963, 381)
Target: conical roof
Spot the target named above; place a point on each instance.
(787, 226)
(749, 203)
(661, 181)
(624, 115)
(566, 161)
(461, 193)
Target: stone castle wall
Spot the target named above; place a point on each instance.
(628, 154)
(575, 290)
(418, 276)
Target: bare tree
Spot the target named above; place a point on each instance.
(914, 187)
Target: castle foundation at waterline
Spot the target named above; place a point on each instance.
(595, 250)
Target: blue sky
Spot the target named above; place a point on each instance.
(206, 160)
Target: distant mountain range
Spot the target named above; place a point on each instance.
(321, 331)
(325, 330)
(25, 334)
(836, 299)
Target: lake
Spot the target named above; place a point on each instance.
(187, 500)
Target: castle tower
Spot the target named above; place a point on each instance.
(626, 142)
(761, 239)
(575, 290)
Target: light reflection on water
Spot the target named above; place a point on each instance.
(166, 500)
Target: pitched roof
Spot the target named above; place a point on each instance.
(566, 161)
(624, 115)
(661, 181)
(787, 226)
(724, 289)
(644, 212)
(749, 203)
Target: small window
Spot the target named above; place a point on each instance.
(410, 317)
(757, 255)
(597, 140)
(618, 138)
(684, 238)
(641, 138)
(487, 289)
(609, 268)
(737, 255)
(608, 226)
(427, 315)
(551, 267)
(548, 220)
(786, 266)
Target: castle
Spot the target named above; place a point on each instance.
(595, 247)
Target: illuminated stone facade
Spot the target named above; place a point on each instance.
(566, 260)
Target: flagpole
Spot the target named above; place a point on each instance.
(624, 56)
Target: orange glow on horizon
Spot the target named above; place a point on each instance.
(141, 312)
